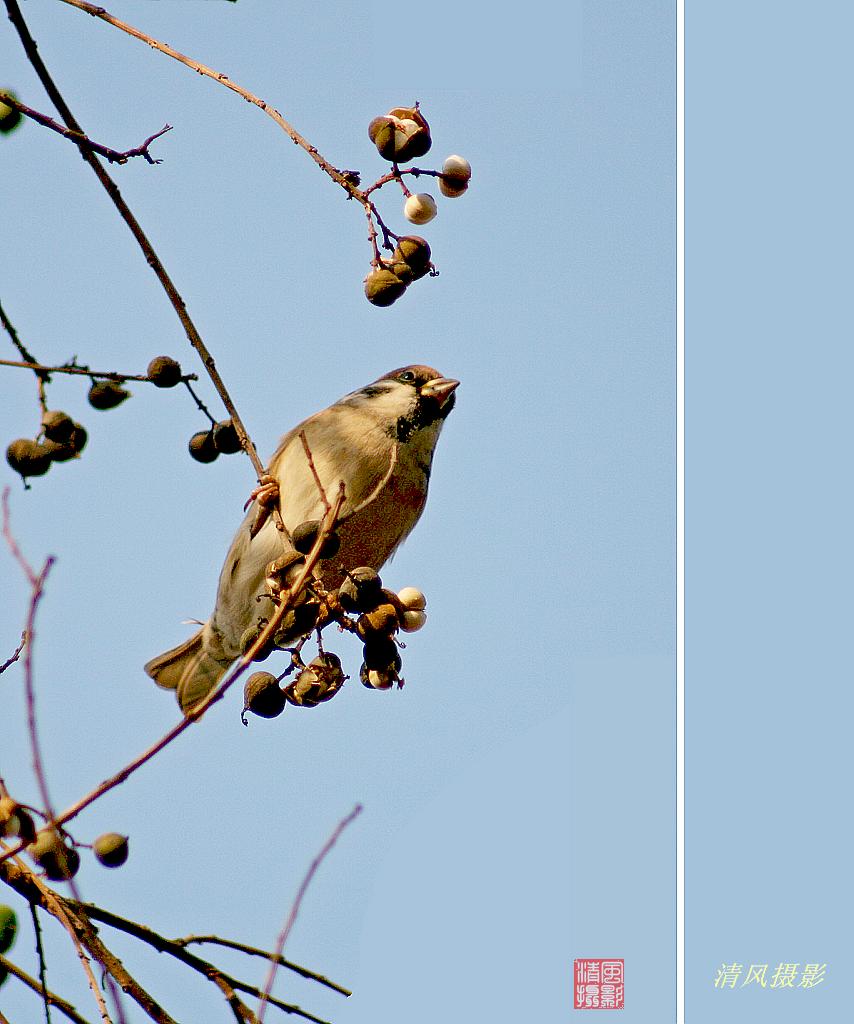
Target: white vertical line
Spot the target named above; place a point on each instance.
(680, 512)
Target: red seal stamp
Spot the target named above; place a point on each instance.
(598, 984)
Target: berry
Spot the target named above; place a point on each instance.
(62, 451)
(107, 394)
(10, 117)
(361, 590)
(263, 696)
(202, 447)
(380, 652)
(29, 458)
(57, 425)
(420, 208)
(376, 679)
(58, 860)
(164, 372)
(225, 438)
(454, 179)
(381, 620)
(8, 927)
(305, 536)
(381, 131)
(382, 287)
(413, 620)
(412, 598)
(414, 252)
(111, 849)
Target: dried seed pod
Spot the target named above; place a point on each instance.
(202, 447)
(58, 860)
(318, 682)
(62, 451)
(263, 696)
(297, 623)
(361, 590)
(381, 620)
(414, 252)
(57, 425)
(376, 679)
(412, 133)
(16, 821)
(381, 131)
(107, 394)
(420, 208)
(27, 457)
(382, 287)
(225, 438)
(164, 372)
(250, 635)
(305, 536)
(111, 849)
(381, 652)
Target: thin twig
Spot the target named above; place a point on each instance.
(113, 155)
(225, 982)
(61, 1004)
(16, 654)
(84, 371)
(313, 469)
(266, 955)
(292, 916)
(37, 930)
(16, 341)
(337, 176)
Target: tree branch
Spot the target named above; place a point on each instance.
(113, 155)
(50, 997)
(178, 304)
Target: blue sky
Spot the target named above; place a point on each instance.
(519, 791)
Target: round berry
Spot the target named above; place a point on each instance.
(202, 447)
(111, 849)
(107, 394)
(164, 372)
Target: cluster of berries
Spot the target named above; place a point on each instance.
(61, 438)
(361, 605)
(401, 135)
(52, 848)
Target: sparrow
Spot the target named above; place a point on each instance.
(379, 441)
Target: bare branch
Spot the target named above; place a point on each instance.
(37, 929)
(54, 1000)
(292, 916)
(84, 371)
(16, 654)
(266, 955)
(133, 224)
(227, 984)
(113, 155)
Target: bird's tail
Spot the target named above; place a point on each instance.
(189, 669)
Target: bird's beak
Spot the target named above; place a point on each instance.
(440, 388)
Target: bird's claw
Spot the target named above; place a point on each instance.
(266, 494)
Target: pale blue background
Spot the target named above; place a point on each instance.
(768, 504)
(519, 793)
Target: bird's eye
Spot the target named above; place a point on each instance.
(408, 377)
